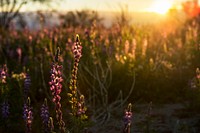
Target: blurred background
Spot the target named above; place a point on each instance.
(139, 12)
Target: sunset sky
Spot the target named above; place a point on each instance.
(158, 6)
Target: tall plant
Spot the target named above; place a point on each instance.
(56, 88)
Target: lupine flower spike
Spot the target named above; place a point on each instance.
(45, 116)
(3, 74)
(81, 108)
(28, 115)
(77, 51)
(128, 119)
(5, 109)
(56, 88)
(3, 77)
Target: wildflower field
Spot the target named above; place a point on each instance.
(83, 77)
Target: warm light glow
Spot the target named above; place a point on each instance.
(160, 6)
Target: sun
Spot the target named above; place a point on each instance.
(160, 6)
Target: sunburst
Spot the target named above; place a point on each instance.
(160, 6)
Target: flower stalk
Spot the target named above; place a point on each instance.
(3, 78)
(127, 119)
(56, 88)
(45, 116)
(28, 115)
(77, 52)
(3, 74)
(81, 108)
(5, 109)
(51, 125)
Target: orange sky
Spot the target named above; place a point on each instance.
(107, 5)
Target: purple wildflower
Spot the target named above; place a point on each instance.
(55, 83)
(81, 106)
(127, 119)
(28, 115)
(5, 109)
(45, 115)
(29, 121)
(56, 88)
(77, 49)
(3, 74)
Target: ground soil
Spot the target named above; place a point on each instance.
(165, 118)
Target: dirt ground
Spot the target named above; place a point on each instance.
(167, 118)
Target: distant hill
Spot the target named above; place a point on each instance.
(137, 17)
(108, 18)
